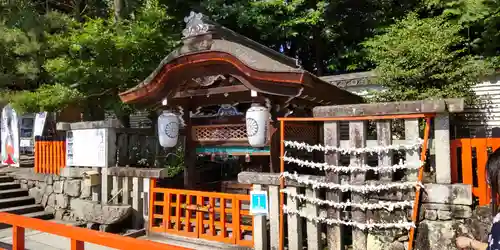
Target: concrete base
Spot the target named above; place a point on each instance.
(198, 244)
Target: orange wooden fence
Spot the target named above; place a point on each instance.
(50, 154)
(468, 164)
(77, 235)
(213, 216)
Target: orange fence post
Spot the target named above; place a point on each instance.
(423, 157)
(482, 157)
(17, 238)
(63, 152)
(454, 145)
(52, 156)
(467, 174)
(77, 245)
(36, 156)
(47, 155)
(282, 186)
(57, 152)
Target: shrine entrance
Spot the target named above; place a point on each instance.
(211, 81)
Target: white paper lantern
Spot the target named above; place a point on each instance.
(257, 120)
(168, 129)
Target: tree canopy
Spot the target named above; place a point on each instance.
(56, 53)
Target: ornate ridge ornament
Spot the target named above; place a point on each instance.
(208, 80)
(195, 25)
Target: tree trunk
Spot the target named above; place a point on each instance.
(119, 9)
(318, 49)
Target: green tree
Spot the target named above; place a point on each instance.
(94, 60)
(325, 36)
(422, 58)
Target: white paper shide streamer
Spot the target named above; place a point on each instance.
(387, 205)
(351, 168)
(370, 187)
(367, 188)
(370, 150)
(370, 225)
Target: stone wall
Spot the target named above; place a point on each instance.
(55, 193)
(439, 225)
(442, 217)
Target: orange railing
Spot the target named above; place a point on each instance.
(468, 164)
(213, 216)
(50, 154)
(77, 235)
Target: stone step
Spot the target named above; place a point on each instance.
(25, 209)
(4, 178)
(42, 215)
(10, 193)
(9, 185)
(16, 201)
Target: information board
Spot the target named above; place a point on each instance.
(258, 203)
(86, 148)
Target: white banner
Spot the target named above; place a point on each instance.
(10, 137)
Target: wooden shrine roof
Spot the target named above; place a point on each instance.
(210, 50)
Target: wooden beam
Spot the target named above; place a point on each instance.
(211, 91)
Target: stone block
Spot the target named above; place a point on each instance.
(61, 201)
(456, 194)
(382, 239)
(63, 126)
(24, 185)
(50, 209)
(479, 223)
(432, 235)
(397, 245)
(59, 214)
(102, 214)
(37, 194)
(392, 108)
(72, 187)
(74, 172)
(45, 199)
(86, 189)
(431, 214)
(49, 189)
(51, 200)
(48, 179)
(58, 187)
(138, 172)
(444, 215)
(93, 124)
(41, 185)
(457, 211)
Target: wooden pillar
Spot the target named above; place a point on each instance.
(274, 143)
(357, 138)
(189, 152)
(335, 233)
(442, 146)
(412, 156)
